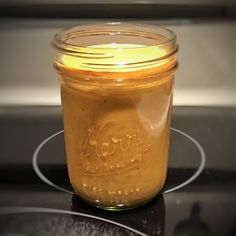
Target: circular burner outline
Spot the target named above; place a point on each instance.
(24, 209)
(186, 182)
(199, 169)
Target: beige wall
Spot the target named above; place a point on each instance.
(206, 75)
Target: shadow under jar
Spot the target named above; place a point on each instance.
(116, 93)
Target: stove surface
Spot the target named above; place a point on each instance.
(198, 198)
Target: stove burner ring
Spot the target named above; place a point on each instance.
(186, 182)
(199, 169)
(7, 210)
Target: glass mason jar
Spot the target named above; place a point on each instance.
(116, 93)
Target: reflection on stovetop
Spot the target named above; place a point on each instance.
(41, 221)
(205, 206)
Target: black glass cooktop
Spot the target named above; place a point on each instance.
(198, 198)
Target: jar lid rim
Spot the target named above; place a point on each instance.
(60, 39)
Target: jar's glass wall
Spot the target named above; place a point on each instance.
(117, 124)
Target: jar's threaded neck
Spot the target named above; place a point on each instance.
(108, 48)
